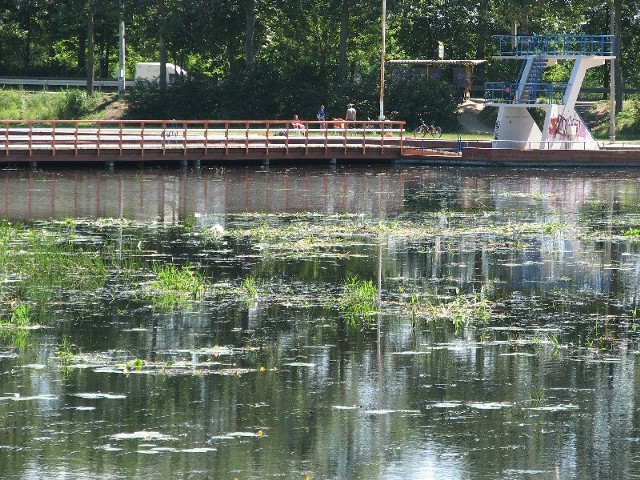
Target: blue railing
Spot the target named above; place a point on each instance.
(532, 93)
(555, 45)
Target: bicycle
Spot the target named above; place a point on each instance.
(424, 129)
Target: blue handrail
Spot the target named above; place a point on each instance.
(555, 45)
(531, 93)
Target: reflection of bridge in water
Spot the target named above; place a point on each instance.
(171, 195)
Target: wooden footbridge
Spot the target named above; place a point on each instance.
(195, 141)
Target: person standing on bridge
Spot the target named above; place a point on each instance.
(351, 113)
(321, 116)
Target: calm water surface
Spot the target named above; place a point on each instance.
(282, 386)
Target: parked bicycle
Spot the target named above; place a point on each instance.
(424, 130)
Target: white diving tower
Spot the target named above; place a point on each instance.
(563, 128)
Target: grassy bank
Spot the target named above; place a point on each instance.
(63, 105)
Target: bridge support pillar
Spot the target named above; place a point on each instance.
(110, 164)
(34, 165)
(333, 162)
(265, 162)
(196, 163)
(184, 164)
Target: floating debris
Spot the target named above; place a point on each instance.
(96, 396)
(142, 435)
(489, 405)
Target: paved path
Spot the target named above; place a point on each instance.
(469, 119)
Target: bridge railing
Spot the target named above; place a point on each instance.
(555, 45)
(530, 93)
(190, 136)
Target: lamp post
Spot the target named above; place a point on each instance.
(382, 57)
(121, 70)
(612, 75)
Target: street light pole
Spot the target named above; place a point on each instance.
(382, 57)
(121, 71)
(612, 75)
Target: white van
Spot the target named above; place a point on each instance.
(150, 71)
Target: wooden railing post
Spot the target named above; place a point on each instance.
(164, 137)
(226, 137)
(75, 138)
(30, 136)
(53, 138)
(98, 125)
(266, 138)
(6, 138)
(206, 136)
(326, 136)
(120, 137)
(184, 138)
(246, 138)
(142, 139)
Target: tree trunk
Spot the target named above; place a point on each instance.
(82, 50)
(90, 48)
(162, 46)
(249, 43)
(481, 47)
(344, 36)
(26, 54)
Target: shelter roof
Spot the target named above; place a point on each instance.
(437, 62)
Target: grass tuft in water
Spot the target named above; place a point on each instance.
(359, 300)
(459, 309)
(16, 327)
(175, 286)
(249, 287)
(45, 265)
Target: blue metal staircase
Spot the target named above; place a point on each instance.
(515, 126)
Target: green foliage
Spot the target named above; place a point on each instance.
(421, 98)
(628, 120)
(75, 104)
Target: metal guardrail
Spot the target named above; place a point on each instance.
(530, 93)
(198, 137)
(45, 83)
(555, 45)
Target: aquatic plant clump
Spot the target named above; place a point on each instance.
(174, 285)
(359, 300)
(459, 309)
(18, 325)
(43, 265)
